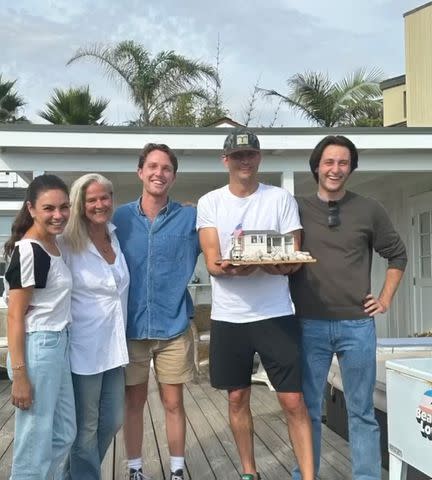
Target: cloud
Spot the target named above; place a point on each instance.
(270, 42)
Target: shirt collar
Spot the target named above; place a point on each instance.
(111, 227)
(163, 211)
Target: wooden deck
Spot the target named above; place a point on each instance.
(211, 452)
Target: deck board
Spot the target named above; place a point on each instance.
(211, 452)
(334, 465)
(225, 466)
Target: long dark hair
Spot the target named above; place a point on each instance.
(23, 221)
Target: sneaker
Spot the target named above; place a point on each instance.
(251, 476)
(177, 475)
(137, 475)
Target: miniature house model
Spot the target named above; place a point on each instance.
(261, 244)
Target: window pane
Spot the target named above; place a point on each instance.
(426, 267)
(424, 222)
(425, 247)
(277, 242)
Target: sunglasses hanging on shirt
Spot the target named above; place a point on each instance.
(333, 219)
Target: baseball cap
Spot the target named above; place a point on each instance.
(241, 139)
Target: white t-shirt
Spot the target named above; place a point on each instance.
(260, 295)
(32, 266)
(99, 307)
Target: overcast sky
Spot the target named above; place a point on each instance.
(265, 41)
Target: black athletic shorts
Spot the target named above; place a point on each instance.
(276, 340)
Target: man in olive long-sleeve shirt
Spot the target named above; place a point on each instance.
(333, 297)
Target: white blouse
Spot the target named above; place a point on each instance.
(99, 308)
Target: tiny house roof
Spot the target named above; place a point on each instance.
(262, 232)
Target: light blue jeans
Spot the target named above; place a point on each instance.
(99, 401)
(354, 342)
(45, 432)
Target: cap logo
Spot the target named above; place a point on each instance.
(242, 139)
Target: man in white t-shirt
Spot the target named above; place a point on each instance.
(252, 309)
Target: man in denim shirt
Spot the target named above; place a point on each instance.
(160, 244)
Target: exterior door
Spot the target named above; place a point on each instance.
(269, 245)
(421, 261)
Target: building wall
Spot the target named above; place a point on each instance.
(395, 193)
(394, 105)
(418, 58)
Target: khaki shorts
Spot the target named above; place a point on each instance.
(172, 359)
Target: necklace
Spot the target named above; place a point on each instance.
(104, 246)
(105, 249)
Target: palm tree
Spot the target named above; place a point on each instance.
(74, 106)
(330, 104)
(154, 83)
(10, 103)
(369, 114)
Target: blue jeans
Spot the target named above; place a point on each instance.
(99, 401)
(45, 432)
(354, 342)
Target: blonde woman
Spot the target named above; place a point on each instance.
(98, 349)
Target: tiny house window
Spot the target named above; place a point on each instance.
(254, 239)
(277, 241)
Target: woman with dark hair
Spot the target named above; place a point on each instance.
(39, 290)
(98, 349)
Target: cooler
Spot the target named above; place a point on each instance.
(409, 416)
(387, 349)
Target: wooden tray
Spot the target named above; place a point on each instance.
(264, 262)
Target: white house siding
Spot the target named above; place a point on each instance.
(394, 165)
(393, 190)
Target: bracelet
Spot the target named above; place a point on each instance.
(19, 366)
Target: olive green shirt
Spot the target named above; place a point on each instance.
(335, 287)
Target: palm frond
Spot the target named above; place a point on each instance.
(329, 104)
(10, 102)
(112, 62)
(152, 82)
(74, 106)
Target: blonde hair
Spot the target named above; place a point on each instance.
(76, 233)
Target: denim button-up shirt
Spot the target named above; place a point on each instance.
(161, 256)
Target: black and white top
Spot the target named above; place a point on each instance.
(32, 266)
